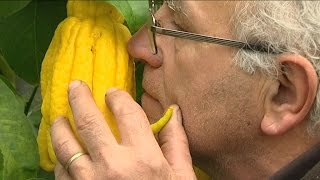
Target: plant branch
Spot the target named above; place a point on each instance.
(28, 104)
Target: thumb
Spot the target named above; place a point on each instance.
(174, 145)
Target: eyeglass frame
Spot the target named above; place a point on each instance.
(154, 27)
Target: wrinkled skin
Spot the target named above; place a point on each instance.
(223, 107)
(137, 154)
(230, 117)
(214, 95)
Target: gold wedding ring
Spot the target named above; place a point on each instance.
(73, 158)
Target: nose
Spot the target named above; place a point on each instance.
(139, 48)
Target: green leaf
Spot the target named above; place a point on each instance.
(139, 76)
(7, 82)
(35, 117)
(25, 36)
(18, 146)
(34, 111)
(135, 12)
(7, 8)
(1, 165)
(44, 175)
(6, 70)
(24, 89)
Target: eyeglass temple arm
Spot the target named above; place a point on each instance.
(211, 39)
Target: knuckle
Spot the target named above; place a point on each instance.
(57, 123)
(104, 157)
(86, 121)
(123, 112)
(61, 147)
(157, 164)
(114, 172)
(151, 164)
(118, 167)
(87, 173)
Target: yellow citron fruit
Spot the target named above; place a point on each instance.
(201, 175)
(157, 126)
(89, 45)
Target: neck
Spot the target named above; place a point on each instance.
(264, 158)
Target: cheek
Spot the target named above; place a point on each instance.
(216, 99)
(219, 118)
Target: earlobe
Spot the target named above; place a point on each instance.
(291, 97)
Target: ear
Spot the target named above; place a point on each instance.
(291, 97)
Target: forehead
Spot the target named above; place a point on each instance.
(205, 16)
(201, 7)
(174, 4)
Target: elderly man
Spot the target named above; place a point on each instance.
(243, 76)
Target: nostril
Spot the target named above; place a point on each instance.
(145, 55)
(154, 60)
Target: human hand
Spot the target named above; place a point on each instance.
(137, 156)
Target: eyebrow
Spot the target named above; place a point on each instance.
(180, 9)
(175, 5)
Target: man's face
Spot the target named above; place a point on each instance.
(221, 105)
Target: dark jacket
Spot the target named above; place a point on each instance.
(305, 167)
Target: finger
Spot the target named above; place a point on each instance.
(174, 144)
(133, 124)
(89, 121)
(60, 173)
(65, 146)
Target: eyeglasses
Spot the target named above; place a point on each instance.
(154, 27)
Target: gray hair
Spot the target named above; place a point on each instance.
(290, 25)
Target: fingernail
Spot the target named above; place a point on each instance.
(176, 112)
(58, 120)
(111, 90)
(74, 84)
(174, 107)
